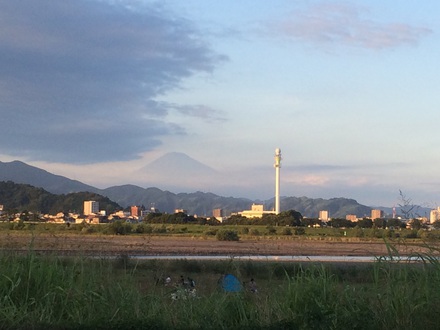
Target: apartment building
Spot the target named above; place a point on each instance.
(91, 207)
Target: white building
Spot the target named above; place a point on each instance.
(323, 215)
(434, 215)
(91, 207)
(256, 211)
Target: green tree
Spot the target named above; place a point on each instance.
(415, 224)
(380, 223)
(365, 223)
(395, 223)
(289, 218)
(340, 223)
(237, 219)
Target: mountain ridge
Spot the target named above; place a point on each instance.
(200, 203)
(20, 172)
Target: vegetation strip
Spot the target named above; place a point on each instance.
(81, 293)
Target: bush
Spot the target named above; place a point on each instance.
(271, 230)
(300, 231)
(88, 230)
(143, 228)
(254, 232)
(358, 232)
(286, 231)
(227, 235)
(18, 225)
(430, 235)
(160, 230)
(120, 228)
(210, 232)
(245, 230)
(411, 234)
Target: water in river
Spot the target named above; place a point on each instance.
(282, 258)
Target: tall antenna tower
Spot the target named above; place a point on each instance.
(277, 166)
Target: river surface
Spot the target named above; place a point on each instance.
(282, 258)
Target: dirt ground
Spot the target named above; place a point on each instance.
(68, 244)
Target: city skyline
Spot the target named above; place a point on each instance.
(97, 90)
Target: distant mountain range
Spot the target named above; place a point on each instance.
(20, 172)
(199, 203)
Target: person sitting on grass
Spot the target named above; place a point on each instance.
(253, 286)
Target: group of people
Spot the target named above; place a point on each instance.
(186, 287)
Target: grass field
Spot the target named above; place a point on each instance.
(51, 292)
(243, 231)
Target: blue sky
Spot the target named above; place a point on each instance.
(95, 90)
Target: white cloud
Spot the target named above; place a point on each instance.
(327, 24)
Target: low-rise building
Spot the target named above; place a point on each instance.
(351, 217)
(434, 215)
(218, 214)
(91, 207)
(376, 214)
(256, 211)
(323, 215)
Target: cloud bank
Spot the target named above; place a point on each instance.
(328, 24)
(79, 79)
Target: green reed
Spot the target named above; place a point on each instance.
(50, 292)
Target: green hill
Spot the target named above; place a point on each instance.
(23, 197)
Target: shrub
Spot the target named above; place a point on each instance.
(254, 232)
(430, 235)
(271, 230)
(143, 228)
(300, 231)
(120, 228)
(376, 233)
(18, 225)
(88, 230)
(411, 234)
(286, 231)
(227, 235)
(358, 232)
(160, 230)
(210, 232)
(245, 230)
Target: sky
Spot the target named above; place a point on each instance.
(95, 90)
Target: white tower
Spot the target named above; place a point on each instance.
(277, 166)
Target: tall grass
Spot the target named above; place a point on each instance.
(39, 292)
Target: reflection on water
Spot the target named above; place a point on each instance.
(284, 258)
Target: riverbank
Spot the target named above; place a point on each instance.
(54, 292)
(81, 244)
